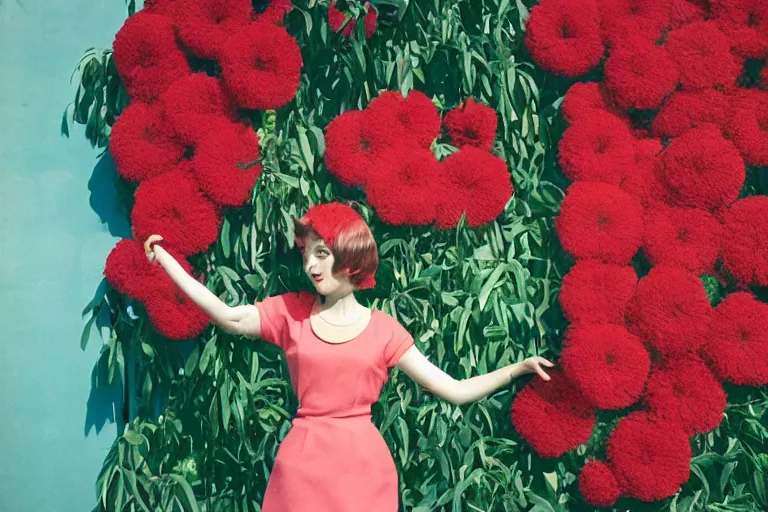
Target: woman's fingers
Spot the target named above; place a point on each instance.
(148, 249)
(541, 372)
(151, 240)
(546, 362)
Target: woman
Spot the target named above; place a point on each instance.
(339, 354)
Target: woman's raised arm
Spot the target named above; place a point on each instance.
(242, 319)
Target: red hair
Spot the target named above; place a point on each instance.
(348, 237)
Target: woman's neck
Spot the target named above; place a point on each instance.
(340, 307)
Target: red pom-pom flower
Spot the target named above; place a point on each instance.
(205, 25)
(582, 99)
(670, 311)
(737, 347)
(747, 126)
(607, 363)
(193, 104)
(338, 21)
(147, 57)
(141, 145)
(353, 143)
(472, 124)
(406, 188)
(476, 182)
(624, 21)
(745, 23)
(690, 109)
(174, 315)
(686, 392)
(261, 66)
(171, 205)
(564, 36)
(597, 147)
(701, 169)
(415, 114)
(640, 180)
(640, 76)
(745, 241)
(682, 12)
(649, 457)
(553, 416)
(703, 56)
(600, 221)
(598, 484)
(275, 12)
(129, 272)
(687, 238)
(595, 292)
(218, 165)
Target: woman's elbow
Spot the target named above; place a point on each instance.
(459, 400)
(452, 394)
(227, 326)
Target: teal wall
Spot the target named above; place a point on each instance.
(54, 433)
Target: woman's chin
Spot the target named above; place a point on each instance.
(326, 289)
(321, 287)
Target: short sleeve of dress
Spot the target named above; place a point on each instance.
(399, 342)
(279, 315)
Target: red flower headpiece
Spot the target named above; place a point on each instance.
(329, 221)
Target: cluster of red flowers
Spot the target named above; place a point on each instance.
(658, 151)
(182, 139)
(385, 149)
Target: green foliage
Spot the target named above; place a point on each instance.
(99, 99)
(205, 418)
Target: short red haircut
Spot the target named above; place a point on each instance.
(348, 237)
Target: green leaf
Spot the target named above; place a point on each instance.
(725, 476)
(485, 291)
(319, 139)
(86, 334)
(306, 151)
(225, 244)
(189, 495)
(759, 481)
(208, 352)
(448, 299)
(255, 281)
(699, 473)
(67, 119)
(289, 180)
(540, 504)
(133, 438)
(388, 245)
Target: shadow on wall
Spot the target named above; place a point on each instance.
(104, 198)
(105, 402)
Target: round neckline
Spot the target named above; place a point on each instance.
(312, 313)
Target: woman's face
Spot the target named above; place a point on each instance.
(318, 264)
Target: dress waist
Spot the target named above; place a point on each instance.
(351, 416)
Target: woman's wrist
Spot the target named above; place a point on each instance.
(517, 370)
(159, 253)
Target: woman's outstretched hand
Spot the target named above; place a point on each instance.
(149, 248)
(534, 365)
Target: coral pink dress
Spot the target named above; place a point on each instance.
(333, 459)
